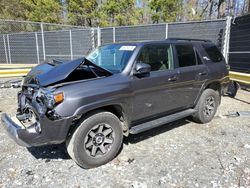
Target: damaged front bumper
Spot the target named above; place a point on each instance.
(14, 130)
(52, 132)
(36, 124)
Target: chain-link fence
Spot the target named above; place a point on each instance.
(26, 42)
(133, 33)
(31, 42)
(210, 30)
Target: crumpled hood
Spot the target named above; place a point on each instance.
(49, 73)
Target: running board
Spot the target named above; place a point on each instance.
(161, 121)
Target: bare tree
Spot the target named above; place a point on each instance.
(219, 5)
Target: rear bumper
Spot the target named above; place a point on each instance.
(52, 132)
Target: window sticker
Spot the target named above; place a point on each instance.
(127, 48)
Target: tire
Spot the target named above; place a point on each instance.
(96, 141)
(206, 106)
(232, 89)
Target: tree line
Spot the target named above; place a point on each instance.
(120, 12)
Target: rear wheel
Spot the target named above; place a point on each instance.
(207, 106)
(96, 141)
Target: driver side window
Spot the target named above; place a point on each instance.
(158, 56)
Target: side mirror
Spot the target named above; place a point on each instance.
(142, 68)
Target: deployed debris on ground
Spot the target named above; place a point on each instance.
(11, 83)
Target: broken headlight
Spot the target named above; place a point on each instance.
(51, 99)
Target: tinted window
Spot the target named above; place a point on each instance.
(186, 55)
(159, 57)
(213, 52)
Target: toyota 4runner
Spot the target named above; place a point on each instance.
(92, 102)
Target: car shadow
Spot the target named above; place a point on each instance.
(49, 152)
(135, 138)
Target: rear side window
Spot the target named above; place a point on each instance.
(186, 55)
(213, 52)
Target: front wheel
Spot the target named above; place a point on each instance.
(207, 106)
(96, 141)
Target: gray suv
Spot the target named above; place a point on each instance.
(118, 89)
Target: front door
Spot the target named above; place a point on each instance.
(153, 94)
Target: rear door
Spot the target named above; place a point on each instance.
(192, 73)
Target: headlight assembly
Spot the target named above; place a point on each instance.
(50, 99)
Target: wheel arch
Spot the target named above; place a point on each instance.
(115, 109)
(215, 85)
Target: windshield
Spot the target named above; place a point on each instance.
(113, 57)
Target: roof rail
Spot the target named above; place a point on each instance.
(187, 39)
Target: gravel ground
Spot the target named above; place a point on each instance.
(180, 154)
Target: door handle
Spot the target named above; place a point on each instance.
(172, 79)
(203, 73)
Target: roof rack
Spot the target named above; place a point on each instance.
(186, 39)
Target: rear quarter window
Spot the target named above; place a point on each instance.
(213, 52)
